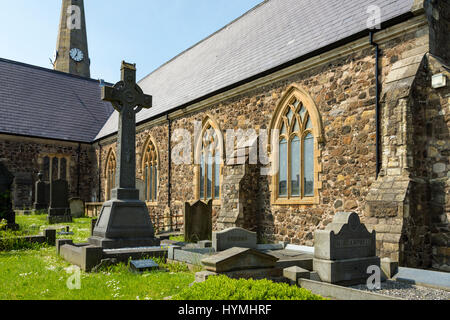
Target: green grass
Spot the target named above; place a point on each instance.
(38, 273)
(223, 288)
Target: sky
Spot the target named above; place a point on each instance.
(146, 32)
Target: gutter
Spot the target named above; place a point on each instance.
(377, 105)
(169, 167)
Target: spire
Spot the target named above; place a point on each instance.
(71, 54)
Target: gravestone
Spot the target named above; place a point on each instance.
(6, 211)
(234, 237)
(239, 259)
(197, 221)
(124, 221)
(143, 265)
(76, 207)
(22, 190)
(344, 250)
(41, 194)
(140, 185)
(59, 210)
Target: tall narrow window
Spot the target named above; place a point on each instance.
(308, 163)
(296, 152)
(110, 174)
(209, 155)
(150, 169)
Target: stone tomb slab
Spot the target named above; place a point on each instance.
(87, 257)
(191, 256)
(291, 258)
(234, 238)
(239, 259)
(433, 279)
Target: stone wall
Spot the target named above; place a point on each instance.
(344, 91)
(22, 155)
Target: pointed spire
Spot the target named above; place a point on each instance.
(72, 54)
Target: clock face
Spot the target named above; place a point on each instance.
(76, 54)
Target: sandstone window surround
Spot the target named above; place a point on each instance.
(150, 171)
(110, 173)
(209, 150)
(55, 166)
(296, 135)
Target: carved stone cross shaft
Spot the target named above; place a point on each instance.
(128, 99)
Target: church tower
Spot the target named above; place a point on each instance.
(71, 54)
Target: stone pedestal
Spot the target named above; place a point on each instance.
(124, 223)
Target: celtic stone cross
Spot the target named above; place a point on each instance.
(128, 99)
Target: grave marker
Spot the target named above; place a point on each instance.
(234, 237)
(124, 221)
(59, 210)
(143, 265)
(41, 194)
(197, 221)
(344, 250)
(6, 210)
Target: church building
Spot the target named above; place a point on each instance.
(346, 105)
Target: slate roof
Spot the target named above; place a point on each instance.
(271, 34)
(45, 103)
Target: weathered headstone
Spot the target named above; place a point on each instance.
(41, 194)
(344, 250)
(239, 259)
(124, 221)
(234, 237)
(76, 207)
(197, 221)
(59, 210)
(140, 185)
(22, 186)
(6, 211)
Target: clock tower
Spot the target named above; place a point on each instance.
(71, 53)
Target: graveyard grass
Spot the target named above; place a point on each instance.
(38, 273)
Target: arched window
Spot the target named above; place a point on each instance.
(296, 167)
(209, 153)
(150, 171)
(110, 173)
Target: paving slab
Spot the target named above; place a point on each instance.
(434, 279)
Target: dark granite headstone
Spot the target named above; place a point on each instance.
(41, 195)
(197, 221)
(6, 211)
(59, 210)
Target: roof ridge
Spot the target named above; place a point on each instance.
(208, 37)
(23, 64)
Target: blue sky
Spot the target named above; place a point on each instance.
(145, 32)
